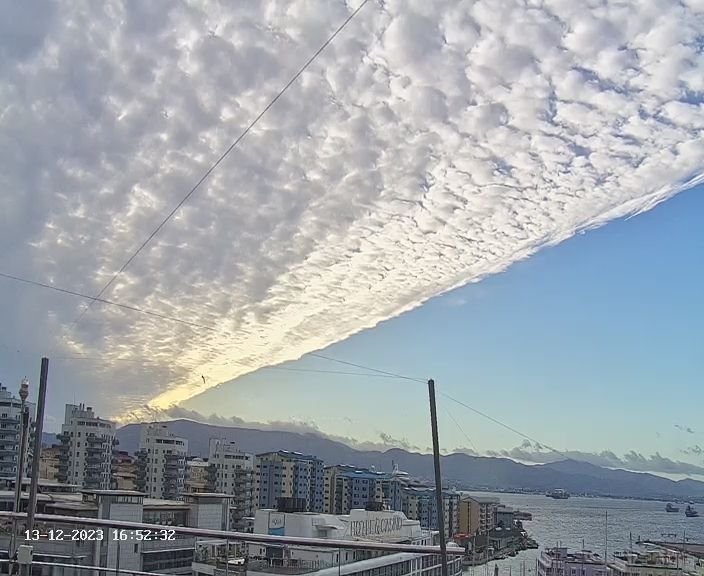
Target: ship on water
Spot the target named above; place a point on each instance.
(558, 494)
(672, 508)
(690, 512)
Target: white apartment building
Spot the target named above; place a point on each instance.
(161, 462)
(173, 556)
(10, 423)
(87, 444)
(231, 472)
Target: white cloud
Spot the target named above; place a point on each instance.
(434, 143)
(635, 461)
(384, 443)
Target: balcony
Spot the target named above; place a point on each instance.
(92, 460)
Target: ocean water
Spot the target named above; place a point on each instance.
(576, 520)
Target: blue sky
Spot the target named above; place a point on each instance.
(430, 144)
(591, 345)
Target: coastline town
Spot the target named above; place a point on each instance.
(281, 493)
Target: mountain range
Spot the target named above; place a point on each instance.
(459, 470)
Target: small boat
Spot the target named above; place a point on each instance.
(691, 512)
(671, 508)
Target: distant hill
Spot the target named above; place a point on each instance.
(460, 470)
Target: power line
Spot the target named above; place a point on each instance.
(444, 394)
(104, 301)
(461, 430)
(502, 424)
(360, 366)
(341, 372)
(222, 157)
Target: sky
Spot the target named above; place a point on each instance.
(432, 145)
(589, 346)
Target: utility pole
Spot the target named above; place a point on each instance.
(38, 429)
(438, 476)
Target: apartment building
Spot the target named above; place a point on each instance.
(477, 514)
(161, 462)
(173, 556)
(289, 476)
(348, 488)
(231, 472)
(420, 503)
(10, 426)
(87, 444)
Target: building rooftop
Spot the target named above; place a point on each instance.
(481, 499)
(208, 495)
(289, 454)
(114, 492)
(69, 505)
(153, 503)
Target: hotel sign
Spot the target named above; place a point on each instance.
(375, 526)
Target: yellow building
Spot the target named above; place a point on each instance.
(477, 514)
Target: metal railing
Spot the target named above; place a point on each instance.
(264, 539)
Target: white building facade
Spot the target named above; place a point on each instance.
(87, 444)
(161, 462)
(10, 425)
(231, 472)
(376, 526)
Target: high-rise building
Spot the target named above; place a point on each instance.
(477, 514)
(10, 424)
(231, 472)
(420, 503)
(298, 479)
(349, 488)
(161, 462)
(87, 444)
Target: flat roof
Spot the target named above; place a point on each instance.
(66, 505)
(208, 495)
(161, 503)
(481, 499)
(114, 492)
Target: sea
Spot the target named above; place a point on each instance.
(578, 523)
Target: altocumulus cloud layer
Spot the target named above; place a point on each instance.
(433, 143)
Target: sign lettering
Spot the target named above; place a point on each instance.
(375, 526)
